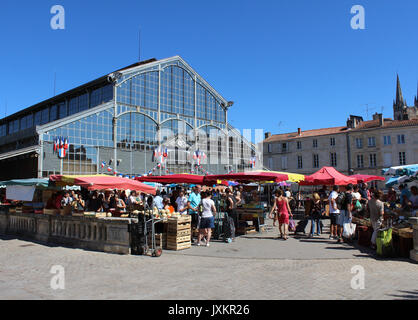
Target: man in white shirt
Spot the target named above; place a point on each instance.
(181, 202)
(287, 193)
(334, 212)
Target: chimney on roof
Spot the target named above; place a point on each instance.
(354, 121)
(267, 135)
(381, 120)
(299, 131)
(379, 116)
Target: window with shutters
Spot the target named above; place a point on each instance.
(333, 159)
(300, 163)
(360, 161)
(316, 161)
(402, 158)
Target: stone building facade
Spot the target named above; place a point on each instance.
(359, 147)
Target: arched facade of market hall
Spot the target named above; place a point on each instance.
(158, 105)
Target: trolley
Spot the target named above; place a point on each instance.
(224, 228)
(143, 234)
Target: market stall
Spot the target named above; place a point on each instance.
(328, 176)
(184, 241)
(102, 182)
(361, 178)
(173, 178)
(250, 217)
(24, 195)
(402, 233)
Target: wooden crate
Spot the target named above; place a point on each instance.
(404, 232)
(246, 230)
(175, 228)
(174, 225)
(177, 239)
(180, 233)
(179, 246)
(180, 219)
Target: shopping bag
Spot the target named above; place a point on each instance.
(292, 225)
(349, 229)
(384, 246)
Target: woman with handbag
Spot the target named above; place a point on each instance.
(315, 214)
(283, 211)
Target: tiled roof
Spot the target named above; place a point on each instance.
(388, 123)
(307, 133)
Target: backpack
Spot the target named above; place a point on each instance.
(340, 200)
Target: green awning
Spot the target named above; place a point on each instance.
(26, 182)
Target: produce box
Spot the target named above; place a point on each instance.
(404, 232)
(178, 233)
(179, 246)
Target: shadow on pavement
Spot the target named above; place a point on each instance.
(341, 248)
(313, 240)
(406, 294)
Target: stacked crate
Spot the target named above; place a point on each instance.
(179, 233)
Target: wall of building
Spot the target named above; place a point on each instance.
(307, 151)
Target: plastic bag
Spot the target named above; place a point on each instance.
(384, 246)
(349, 229)
(292, 225)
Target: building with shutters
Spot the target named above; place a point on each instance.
(359, 147)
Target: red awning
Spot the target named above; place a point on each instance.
(173, 178)
(247, 177)
(367, 178)
(102, 182)
(328, 176)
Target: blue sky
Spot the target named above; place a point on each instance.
(285, 63)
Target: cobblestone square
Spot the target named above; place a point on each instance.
(253, 267)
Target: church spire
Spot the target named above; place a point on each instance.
(399, 103)
(416, 98)
(399, 98)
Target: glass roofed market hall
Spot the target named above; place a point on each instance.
(155, 116)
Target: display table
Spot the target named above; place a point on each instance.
(402, 237)
(250, 220)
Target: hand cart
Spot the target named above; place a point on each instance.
(222, 222)
(143, 234)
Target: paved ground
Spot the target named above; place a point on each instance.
(253, 267)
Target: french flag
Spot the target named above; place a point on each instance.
(109, 169)
(55, 145)
(103, 164)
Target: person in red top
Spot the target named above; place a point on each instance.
(283, 212)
